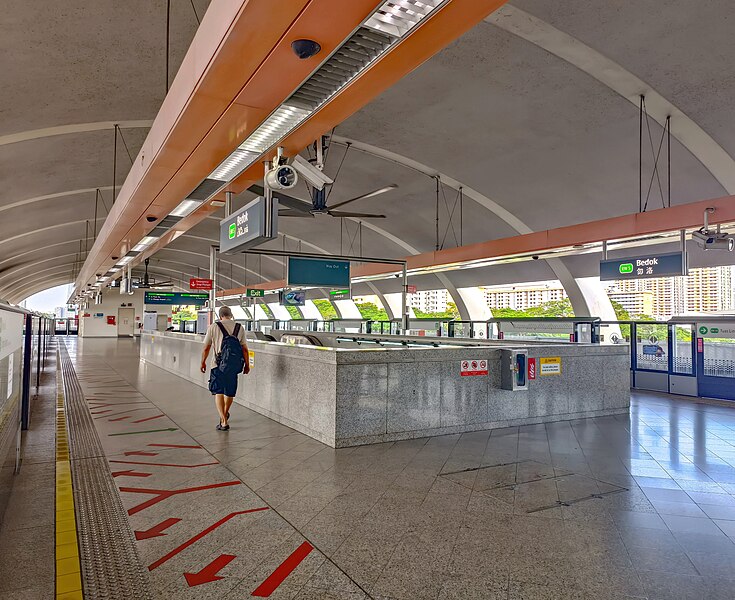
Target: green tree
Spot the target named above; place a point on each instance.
(371, 312)
(620, 313)
(450, 313)
(555, 308)
(294, 312)
(326, 308)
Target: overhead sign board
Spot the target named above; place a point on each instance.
(716, 330)
(318, 272)
(252, 225)
(640, 267)
(550, 365)
(251, 293)
(195, 283)
(176, 298)
(293, 298)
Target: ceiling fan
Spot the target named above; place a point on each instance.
(318, 206)
(147, 284)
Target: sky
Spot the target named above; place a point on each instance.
(48, 300)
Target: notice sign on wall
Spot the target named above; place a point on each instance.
(470, 368)
(550, 365)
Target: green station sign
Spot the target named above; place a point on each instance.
(340, 294)
(176, 298)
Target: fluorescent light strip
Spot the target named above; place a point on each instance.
(185, 208)
(284, 119)
(233, 165)
(144, 243)
(398, 17)
(124, 261)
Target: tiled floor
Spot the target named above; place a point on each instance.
(27, 533)
(638, 506)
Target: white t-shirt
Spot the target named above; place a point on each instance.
(214, 336)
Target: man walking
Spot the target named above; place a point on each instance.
(230, 359)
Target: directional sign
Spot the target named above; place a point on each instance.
(716, 330)
(176, 298)
(340, 294)
(252, 225)
(251, 293)
(318, 272)
(195, 283)
(641, 267)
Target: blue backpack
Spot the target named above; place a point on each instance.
(230, 360)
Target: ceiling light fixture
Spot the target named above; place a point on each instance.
(185, 208)
(398, 17)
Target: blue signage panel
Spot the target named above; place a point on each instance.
(293, 298)
(318, 272)
(176, 298)
(253, 224)
(641, 267)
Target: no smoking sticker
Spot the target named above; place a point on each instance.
(470, 368)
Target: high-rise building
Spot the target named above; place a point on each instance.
(521, 297)
(429, 301)
(636, 302)
(708, 289)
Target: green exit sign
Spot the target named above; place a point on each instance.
(249, 293)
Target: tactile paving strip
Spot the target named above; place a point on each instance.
(111, 567)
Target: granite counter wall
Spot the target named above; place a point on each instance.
(347, 397)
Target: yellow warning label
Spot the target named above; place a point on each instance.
(550, 365)
(251, 358)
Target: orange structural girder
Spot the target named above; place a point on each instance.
(238, 69)
(685, 216)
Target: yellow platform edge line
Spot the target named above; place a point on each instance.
(68, 565)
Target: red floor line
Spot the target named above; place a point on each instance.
(119, 419)
(152, 464)
(162, 495)
(199, 536)
(149, 418)
(276, 578)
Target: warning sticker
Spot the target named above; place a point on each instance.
(550, 365)
(469, 368)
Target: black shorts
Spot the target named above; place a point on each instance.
(219, 383)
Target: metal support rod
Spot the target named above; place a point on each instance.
(604, 249)
(684, 257)
(437, 213)
(114, 165)
(25, 410)
(228, 203)
(668, 143)
(38, 352)
(404, 304)
(640, 156)
(213, 277)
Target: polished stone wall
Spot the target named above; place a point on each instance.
(347, 397)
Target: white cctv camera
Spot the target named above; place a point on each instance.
(315, 177)
(712, 240)
(281, 177)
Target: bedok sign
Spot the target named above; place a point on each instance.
(252, 225)
(641, 267)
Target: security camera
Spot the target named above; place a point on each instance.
(305, 48)
(151, 218)
(315, 177)
(535, 257)
(713, 240)
(281, 177)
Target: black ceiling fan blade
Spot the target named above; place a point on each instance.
(339, 213)
(288, 201)
(377, 192)
(295, 213)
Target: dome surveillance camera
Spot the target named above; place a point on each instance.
(305, 48)
(151, 219)
(535, 257)
(115, 257)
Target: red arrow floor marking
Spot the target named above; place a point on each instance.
(171, 446)
(149, 418)
(101, 412)
(140, 453)
(156, 530)
(276, 578)
(200, 535)
(209, 573)
(130, 474)
(151, 464)
(122, 412)
(119, 419)
(161, 495)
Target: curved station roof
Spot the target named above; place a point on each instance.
(494, 120)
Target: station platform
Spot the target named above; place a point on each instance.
(164, 506)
